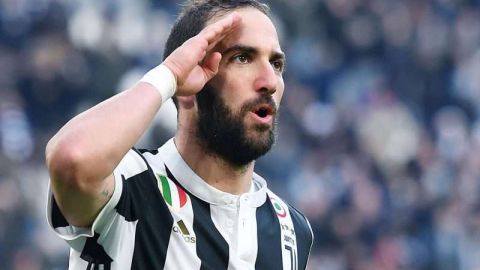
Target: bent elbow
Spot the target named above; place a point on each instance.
(64, 162)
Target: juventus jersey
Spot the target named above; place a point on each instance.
(164, 216)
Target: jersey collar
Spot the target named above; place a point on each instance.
(199, 188)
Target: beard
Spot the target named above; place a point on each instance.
(222, 130)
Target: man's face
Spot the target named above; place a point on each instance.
(238, 107)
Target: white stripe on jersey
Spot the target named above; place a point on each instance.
(246, 247)
(120, 248)
(182, 239)
(131, 165)
(288, 238)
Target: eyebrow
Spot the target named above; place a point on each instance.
(252, 50)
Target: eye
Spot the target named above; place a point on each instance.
(278, 65)
(241, 59)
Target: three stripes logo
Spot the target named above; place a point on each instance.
(182, 230)
(173, 194)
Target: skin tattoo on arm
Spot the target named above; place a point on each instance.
(105, 193)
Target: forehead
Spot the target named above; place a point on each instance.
(256, 30)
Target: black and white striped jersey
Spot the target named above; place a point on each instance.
(163, 216)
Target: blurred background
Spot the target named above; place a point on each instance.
(379, 136)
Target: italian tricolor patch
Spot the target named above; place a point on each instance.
(281, 212)
(173, 194)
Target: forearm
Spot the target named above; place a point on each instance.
(93, 143)
(81, 157)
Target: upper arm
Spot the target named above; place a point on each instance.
(79, 198)
(80, 205)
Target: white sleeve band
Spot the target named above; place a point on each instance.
(162, 78)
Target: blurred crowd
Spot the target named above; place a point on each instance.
(379, 125)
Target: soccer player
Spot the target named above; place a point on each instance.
(195, 202)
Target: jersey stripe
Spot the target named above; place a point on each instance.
(58, 220)
(212, 249)
(304, 236)
(141, 200)
(287, 231)
(269, 254)
(182, 238)
(95, 254)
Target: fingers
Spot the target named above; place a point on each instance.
(220, 29)
(195, 63)
(211, 64)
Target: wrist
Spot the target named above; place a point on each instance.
(163, 80)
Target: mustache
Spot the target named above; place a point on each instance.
(250, 105)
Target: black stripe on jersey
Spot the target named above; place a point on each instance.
(269, 255)
(58, 220)
(153, 152)
(140, 152)
(95, 254)
(212, 249)
(303, 234)
(141, 200)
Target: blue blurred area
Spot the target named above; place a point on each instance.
(379, 138)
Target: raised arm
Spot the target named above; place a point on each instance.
(81, 157)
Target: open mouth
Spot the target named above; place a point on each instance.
(263, 110)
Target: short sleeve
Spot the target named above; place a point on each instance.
(131, 164)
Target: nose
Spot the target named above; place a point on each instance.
(267, 78)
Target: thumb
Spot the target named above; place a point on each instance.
(211, 64)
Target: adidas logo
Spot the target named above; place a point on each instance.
(182, 230)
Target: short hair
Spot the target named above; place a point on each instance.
(196, 14)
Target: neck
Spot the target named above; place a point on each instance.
(213, 169)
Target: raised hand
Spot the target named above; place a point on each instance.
(194, 63)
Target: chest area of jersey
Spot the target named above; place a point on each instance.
(205, 230)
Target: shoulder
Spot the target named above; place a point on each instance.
(299, 220)
(157, 158)
(132, 163)
(290, 216)
(137, 161)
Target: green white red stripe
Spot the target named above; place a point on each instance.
(173, 194)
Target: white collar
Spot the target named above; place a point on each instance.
(199, 188)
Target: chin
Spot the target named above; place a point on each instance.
(261, 140)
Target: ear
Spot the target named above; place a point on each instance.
(186, 102)
(187, 113)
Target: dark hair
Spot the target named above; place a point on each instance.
(195, 15)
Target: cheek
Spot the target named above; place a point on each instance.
(226, 81)
(277, 96)
(234, 91)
